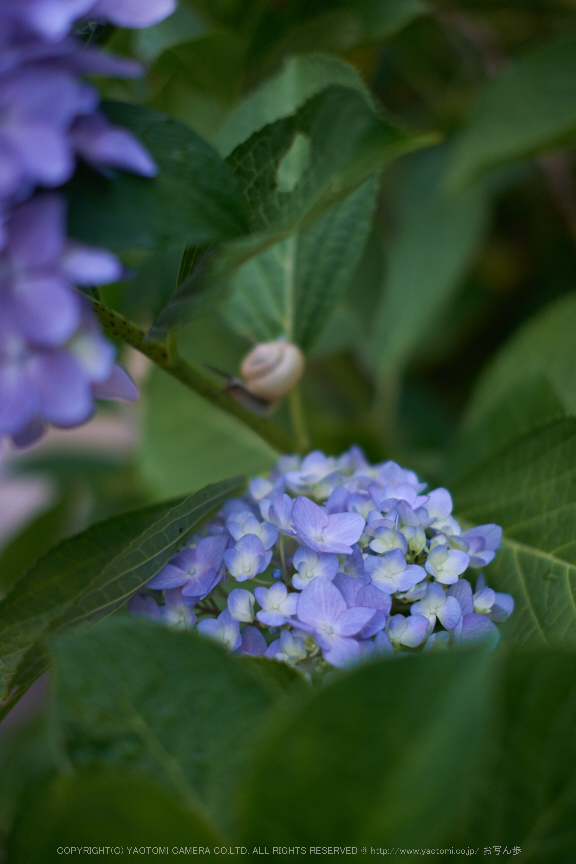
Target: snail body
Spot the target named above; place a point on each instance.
(271, 369)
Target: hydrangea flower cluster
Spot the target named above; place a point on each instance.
(53, 358)
(337, 560)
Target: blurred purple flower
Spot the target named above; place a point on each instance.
(253, 642)
(223, 629)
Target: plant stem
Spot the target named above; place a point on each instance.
(195, 379)
(298, 420)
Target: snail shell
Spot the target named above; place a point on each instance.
(272, 369)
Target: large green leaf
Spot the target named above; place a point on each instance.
(126, 812)
(543, 347)
(174, 705)
(299, 79)
(437, 236)
(91, 574)
(194, 198)
(383, 755)
(529, 108)
(528, 797)
(291, 289)
(187, 442)
(529, 488)
(530, 380)
(346, 142)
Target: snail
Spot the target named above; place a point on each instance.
(270, 370)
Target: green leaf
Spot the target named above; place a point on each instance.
(543, 347)
(382, 755)
(299, 79)
(188, 442)
(529, 380)
(175, 705)
(26, 760)
(109, 809)
(291, 289)
(382, 19)
(182, 26)
(437, 236)
(531, 402)
(531, 107)
(348, 143)
(529, 488)
(92, 574)
(193, 200)
(36, 538)
(529, 794)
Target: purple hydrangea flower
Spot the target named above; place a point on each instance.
(38, 268)
(386, 539)
(446, 564)
(246, 523)
(241, 605)
(390, 573)
(354, 566)
(483, 541)
(325, 532)
(289, 648)
(248, 558)
(144, 607)
(253, 642)
(278, 511)
(133, 14)
(322, 609)
(495, 604)
(54, 385)
(278, 606)
(409, 631)
(260, 488)
(337, 501)
(310, 564)
(475, 627)
(37, 106)
(97, 141)
(317, 476)
(367, 596)
(438, 641)
(223, 629)
(386, 497)
(197, 570)
(175, 612)
(436, 604)
(53, 19)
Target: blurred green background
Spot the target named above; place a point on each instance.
(450, 331)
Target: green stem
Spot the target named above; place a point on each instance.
(298, 420)
(195, 379)
(172, 346)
